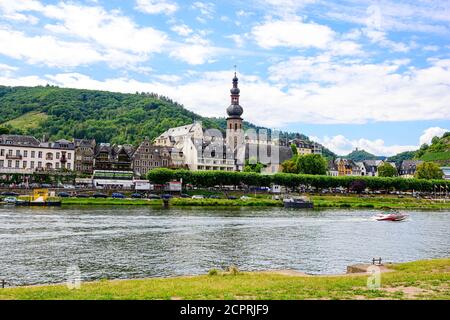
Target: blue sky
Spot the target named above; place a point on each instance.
(367, 74)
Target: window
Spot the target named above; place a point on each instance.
(49, 156)
(9, 152)
(68, 165)
(2, 163)
(17, 153)
(40, 154)
(17, 164)
(2, 152)
(32, 164)
(57, 155)
(9, 163)
(39, 164)
(57, 165)
(25, 153)
(24, 164)
(33, 154)
(235, 126)
(69, 156)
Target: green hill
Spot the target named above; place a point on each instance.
(361, 155)
(105, 116)
(438, 152)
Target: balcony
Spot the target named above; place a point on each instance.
(13, 157)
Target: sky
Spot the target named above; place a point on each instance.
(372, 75)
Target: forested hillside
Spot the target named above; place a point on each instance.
(105, 116)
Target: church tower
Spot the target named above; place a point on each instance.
(235, 130)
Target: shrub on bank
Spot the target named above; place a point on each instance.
(207, 179)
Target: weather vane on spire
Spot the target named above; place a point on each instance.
(235, 69)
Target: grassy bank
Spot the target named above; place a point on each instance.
(253, 202)
(427, 279)
(377, 202)
(110, 201)
(322, 201)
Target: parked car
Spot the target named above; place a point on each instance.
(232, 198)
(10, 194)
(214, 197)
(166, 196)
(137, 196)
(46, 185)
(245, 198)
(184, 195)
(118, 195)
(82, 195)
(153, 196)
(99, 195)
(10, 200)
(198, 197)
(63, 195)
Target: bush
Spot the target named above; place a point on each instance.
(213, 272)
(207, 179)
(233, 270)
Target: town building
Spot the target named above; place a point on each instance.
(84, 156)
(347, 167)
(306, 147)
(446, 171)
(209, 150)
(113, 157)
(149, 156)
(408, 168)
(26, 155)
(332, 168)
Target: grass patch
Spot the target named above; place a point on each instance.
(110, 201)
(426, 279)
(30, 120)
(377, 202)
(254, 202)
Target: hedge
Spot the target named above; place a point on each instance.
(223, 178)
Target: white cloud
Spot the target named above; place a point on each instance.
(95, 34)
(108, 29)
(156, 6)
(207, 9)
(238, 40)
(342, 146)
(193, 54)
(46, 50)
(292, 33)
(430, 133)
(182, 30)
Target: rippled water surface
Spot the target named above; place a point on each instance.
(38, 245)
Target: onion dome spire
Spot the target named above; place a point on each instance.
(235, 110)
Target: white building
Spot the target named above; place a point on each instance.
(26, 154)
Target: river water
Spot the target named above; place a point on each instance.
(38, 245)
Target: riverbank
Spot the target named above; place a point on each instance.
(320, 201)
(425, 279)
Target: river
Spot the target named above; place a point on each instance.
(38, 245)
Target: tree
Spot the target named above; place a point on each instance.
(387, 170)
(312, 164)
(4, 130)
(251, 165)
(290, 166)
(358, 186)
(160, 175)
(428, 170)
(294, 150)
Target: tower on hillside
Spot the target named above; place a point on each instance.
(235, 130)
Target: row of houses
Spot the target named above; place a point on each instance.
(347, 167)
(26, 154)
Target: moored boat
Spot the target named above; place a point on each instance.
(298, 203)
